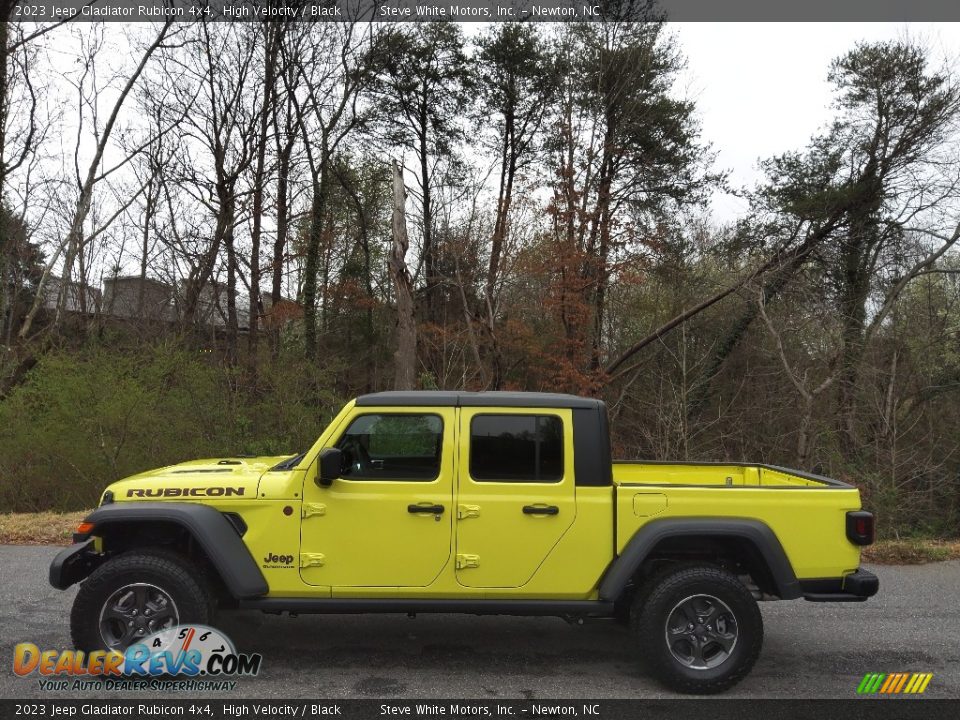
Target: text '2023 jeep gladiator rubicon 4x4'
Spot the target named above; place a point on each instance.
(499, 503)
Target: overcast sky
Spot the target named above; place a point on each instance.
(761, 88)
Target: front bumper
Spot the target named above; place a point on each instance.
(73, 564)
(855, 587)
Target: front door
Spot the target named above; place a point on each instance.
(516, 494)
(388, 520)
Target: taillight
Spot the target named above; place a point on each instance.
(860, 527)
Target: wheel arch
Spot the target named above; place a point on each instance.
(196, 530)
(753, 543)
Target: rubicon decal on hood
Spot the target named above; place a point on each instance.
(185, 492)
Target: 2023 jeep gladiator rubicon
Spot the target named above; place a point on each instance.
(499, 503)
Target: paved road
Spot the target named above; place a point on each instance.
(811, 650)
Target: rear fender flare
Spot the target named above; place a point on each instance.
(758, 534)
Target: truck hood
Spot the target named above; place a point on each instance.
(197, 479)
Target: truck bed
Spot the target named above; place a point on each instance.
(807, 512)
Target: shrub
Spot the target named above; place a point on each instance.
(83, 419)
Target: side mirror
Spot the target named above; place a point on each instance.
(330, 466)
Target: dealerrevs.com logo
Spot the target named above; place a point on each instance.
(180, 658)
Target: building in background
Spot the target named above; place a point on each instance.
(134, 298)
(212, 308)
(138, 298)
(80, 298)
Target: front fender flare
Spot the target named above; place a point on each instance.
(758, 534)
(208, 527)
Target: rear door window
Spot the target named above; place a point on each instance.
(516, 448)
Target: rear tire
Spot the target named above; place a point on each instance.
(135, 594)
(700, 630)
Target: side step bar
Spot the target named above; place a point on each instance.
(558, 608)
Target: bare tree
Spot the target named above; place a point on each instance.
(86, 182)
(808, 391)
(18, 97)
(286, 136)
(517, 82)
(272, 37)
(422, 86)
(223, 122)
(331, 67)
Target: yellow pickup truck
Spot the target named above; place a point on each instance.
(497, 503)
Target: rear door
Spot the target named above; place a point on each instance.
(516, 494)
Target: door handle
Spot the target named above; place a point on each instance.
(428, 509)
(541, 510)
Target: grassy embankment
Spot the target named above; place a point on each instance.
(43, 528)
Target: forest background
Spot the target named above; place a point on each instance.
(213, 234)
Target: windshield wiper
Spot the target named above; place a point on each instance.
(289, 463)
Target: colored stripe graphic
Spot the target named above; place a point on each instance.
(865, 683)
(891, 679)
(870, 683)
(894, 683)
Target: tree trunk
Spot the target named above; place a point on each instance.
(256, 308)
(284, 153)
(855, 285)
(6, 10)
(317, 211)
(405, 357)
(803, 433)
(508, 172)
(731, 340)
(145, 249)
(232, 320)
(280, 242)
(504, 198)
(200, 276)
(429, 251)
(74, 242)
(601, 267)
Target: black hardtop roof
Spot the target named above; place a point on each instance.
(450, 398)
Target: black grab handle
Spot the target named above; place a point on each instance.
(431, 509)
(541, 510)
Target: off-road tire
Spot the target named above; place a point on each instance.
(169, 571)
(652, 609)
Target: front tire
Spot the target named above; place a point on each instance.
(699, 629)
(135, 594)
